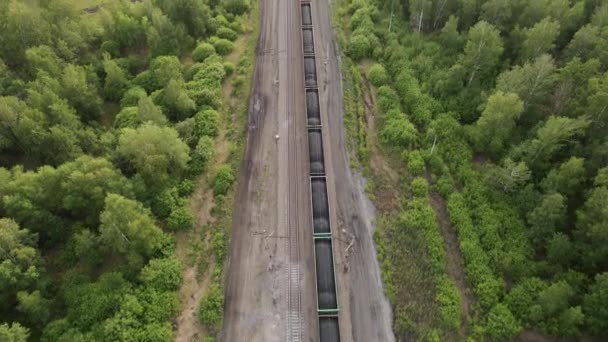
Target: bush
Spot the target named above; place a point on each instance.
(211, 310)
(202, 51)
(226, 33)
(228, 68)
(223, 46)
(181, 218)
(132, 96)
(359, 47)
(377, 75)
(501, 323)
(202, 154)
(415, 163)
(223, 180)
(207, 122)
(397, 130)
(420, 187)
(449, 302)
(162, 274)
(444, 185)
(127, 117)
(236, 7)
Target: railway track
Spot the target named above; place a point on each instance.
(294, 319)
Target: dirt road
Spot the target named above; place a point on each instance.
(270, 289)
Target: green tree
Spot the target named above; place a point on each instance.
(181, 218)
(377, 75)
(202, 51)
(127, 227)
(80, 91)
(34, 306)
(202, 154)
(20, 263)
(547, 218)
(116, 82)
(164, 69)
(482, 51)
(495, 126)
(211, 309)
(567, 178)
(13, 333)
(153, 151)
(175, 101)
(501, 323)
(539, 39)
(223, 179)
(147, 111)
(22, 129)
(594, 304)
(398, 130)
(532, 82)
(551, 138)
(223, 46)
(162, 274)
(592, 227)
(207, 122)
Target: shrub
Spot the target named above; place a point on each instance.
(207, 122)
(162, 274)
(359, 47)
(501, 323)
(211, 310)
(377, 75)
(420, 187)
(228, 68)
(444, 185)
(202, 51)
(449, 302)
(236, 7)
(223, 180)
(202, 154)
(181, 218)
(127, 117)
(226, 33)
(223, 46)
(132, 96)
(398, 131)
(415, 163)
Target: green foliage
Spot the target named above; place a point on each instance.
(164, 154)
(162, 274)
(497, 121)
(415, 163)
(228, 68)
(594, 304)
(226, 33)
(359, 47)
(202, 51)
(223, 180)
(181, 218)
(127, 228)
(211, 310)
(377, 75)
(202, 154)
(223, 46)
(420, 187)
(13, 333)
(398, 130)
(501, 323)
(207, 123)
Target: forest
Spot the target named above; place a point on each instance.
(107, 119)
(494, 113)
